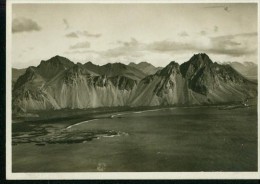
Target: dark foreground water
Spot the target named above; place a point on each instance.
(177, 139)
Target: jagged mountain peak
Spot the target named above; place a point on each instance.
(79, 64)
(140, 64)
(132, 63)
(196, 62)
(80, 69)
(113, 69)
(30, 75)
(144, 64)
(115, 65)
(200, 59)
(88, 63)
(171, 68)
(173, 63)
(57, 61)
(31, 69)
(145, 67)
(53, 66)
(58, 57)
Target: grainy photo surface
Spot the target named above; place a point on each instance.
(134, 87)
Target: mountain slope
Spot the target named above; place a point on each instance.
(79, 88)
(16, 73)
(163, 88)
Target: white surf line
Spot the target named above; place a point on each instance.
(114, 115)
(139, 112)
(110, 136)
(136, 112)
(80, 123)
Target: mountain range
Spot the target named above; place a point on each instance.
(59, 83)
(247, 69)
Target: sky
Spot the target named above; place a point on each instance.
(155, 33)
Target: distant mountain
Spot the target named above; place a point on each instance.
(59, 83)
(114, 69)
(247, 69)
(145, 67)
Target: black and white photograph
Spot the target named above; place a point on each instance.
(125, 90)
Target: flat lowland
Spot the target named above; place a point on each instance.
(209, 138)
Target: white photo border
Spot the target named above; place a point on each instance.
(106, 175)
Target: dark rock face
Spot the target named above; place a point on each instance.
(59, 83)
(166, 83)
(16, 73)
(198, 73)
(202, 74)
(123, 83)
(53, 66)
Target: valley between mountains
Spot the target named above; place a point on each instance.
(59, 83)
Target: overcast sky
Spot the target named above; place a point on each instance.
(156, 33)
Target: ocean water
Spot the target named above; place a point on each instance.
(165, 140)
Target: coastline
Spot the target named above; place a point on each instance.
(221, 107)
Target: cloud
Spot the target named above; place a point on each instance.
(87, 34)
(238, 45)
(246, 35)
(203, 33)
(24, 25)
(183, 34)
(215, 29)
(77, 34)
(80, 45)
(132, 43)
(225, 8)
(134, 48)
(71, 35)
(66, 23)
(169, 46)
(127, 48)
(82, 52)
(235, 45)
(118, 52)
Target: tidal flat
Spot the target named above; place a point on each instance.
(171, 139)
